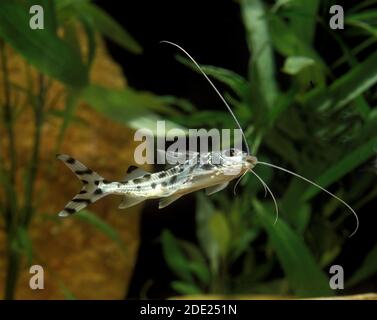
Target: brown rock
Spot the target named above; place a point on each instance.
(73, 253)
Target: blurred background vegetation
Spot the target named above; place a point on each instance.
(305, 95)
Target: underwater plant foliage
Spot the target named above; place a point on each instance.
(305, 111)
(298, 107)
(56, 69)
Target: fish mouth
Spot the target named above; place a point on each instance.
(251, 160)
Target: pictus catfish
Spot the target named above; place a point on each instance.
(169, 185)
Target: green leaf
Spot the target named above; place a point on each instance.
(364, 20)
(288, 43)
(182, 104)
(220, 232)
(283, 102)
(362, 5)
(262, 65)
(68, 114)
(71, 36)
(242, 242)
(42, 48)
(197, 263)
(94, 220)
(280, 4)
(236, 82)
(282, 146)
(174, 256)
(345, 165)
(62, 4)
(200, 271)
(135, 109)
(107, 26)
(367, 268)
(328, 243)
(302, 271)
(365, 15)
(121, 105)
(300, 217)
(185, 288)
(25, 244)
(90, 34)
(348, 87)
(349, 55)
(148, 123)
(204, 213)
(303, 21)
(363, 26)
(294, 65)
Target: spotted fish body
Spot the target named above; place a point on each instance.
(198, 172)
(152, 185)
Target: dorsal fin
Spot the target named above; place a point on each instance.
(131, 168)
(134, 172)
(175, 157)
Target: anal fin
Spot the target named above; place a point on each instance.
(129, 201)
(216, 188)
(164, 202)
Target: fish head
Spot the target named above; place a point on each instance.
(235, 161)
(250, 161)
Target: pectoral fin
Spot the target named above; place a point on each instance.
(164, 202)
(128, 201)
(216, 188)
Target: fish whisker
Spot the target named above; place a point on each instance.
(238, 181)
(319, 187)
(270, 192)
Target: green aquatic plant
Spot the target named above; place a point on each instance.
(321, 123)
(54, 57)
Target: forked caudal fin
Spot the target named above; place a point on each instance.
(89, 193)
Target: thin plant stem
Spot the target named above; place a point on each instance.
(34, 161)
(13, 268)
(8, 114)
(8, 181)
(14, 257)
(8, 124)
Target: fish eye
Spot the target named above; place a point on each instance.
(229, 152)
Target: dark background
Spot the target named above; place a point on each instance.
(213, 33)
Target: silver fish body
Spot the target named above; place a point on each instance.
(212, 170)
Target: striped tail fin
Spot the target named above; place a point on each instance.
(89, 193)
